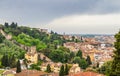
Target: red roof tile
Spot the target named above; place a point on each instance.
(87, 74)
(30, 73)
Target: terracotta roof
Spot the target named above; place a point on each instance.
(9, 72)
(30, 73)
(87, 74)
(51, 74)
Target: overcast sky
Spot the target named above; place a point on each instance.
(69, 16)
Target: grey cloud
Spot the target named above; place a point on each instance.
(43, 11)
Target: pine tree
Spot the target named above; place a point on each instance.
(88, 59)
(61, 73)
(115, 68)
(48, 68)
(66, 69)
(18, 67)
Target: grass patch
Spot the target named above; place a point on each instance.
(1, 71)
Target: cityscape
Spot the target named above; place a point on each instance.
(59, 38)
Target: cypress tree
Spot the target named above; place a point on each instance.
(61, 73)
(88, 59)
(6, 24)
(48, 68)
(12, 61)
(73, 38)
(79, 54)
(5, 60)
(115, 67)
(18, 70)
(66, 69)
(97, 65)
(1, 38)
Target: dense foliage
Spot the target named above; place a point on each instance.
(115, 71)
(8, 61)
(105, 68)
(29, 41)
(36, 66)
(83, 63)
(8, 47)
(52, 38)
(59, 55)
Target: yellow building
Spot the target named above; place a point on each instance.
(74, 69)
(31, 55)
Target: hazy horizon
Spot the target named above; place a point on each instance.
(69, 16)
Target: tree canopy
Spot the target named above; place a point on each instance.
(115, 70)
(30, 41)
